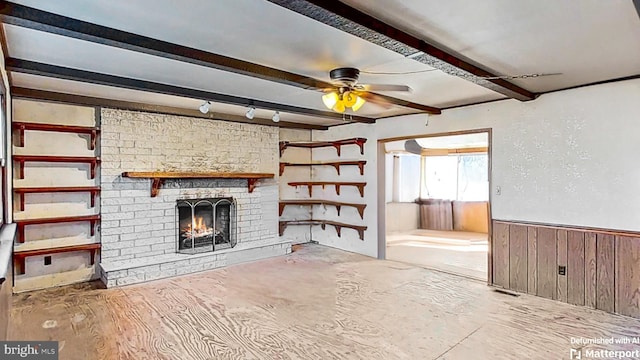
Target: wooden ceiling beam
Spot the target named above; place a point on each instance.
(348, 19)
(31, 18)
(43, 95)
(59, 72)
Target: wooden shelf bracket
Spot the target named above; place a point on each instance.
(338, 205)
(20, 256)
(92, 219)
(21, 159)
(337, 185)
(335, 164)
(158, 177)
(93, 190)
(22, 126)
(323, 223)
(316, 144)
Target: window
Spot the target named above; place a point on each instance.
(456, 177)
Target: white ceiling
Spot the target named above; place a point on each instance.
(527, 36)
(586, 40)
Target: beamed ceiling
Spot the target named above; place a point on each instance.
(170, 56)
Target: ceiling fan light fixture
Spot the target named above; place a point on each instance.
(359, 102)
(330, 99)
(349, 99)
(276, 116)
(204, 108)
(339, 107)
(251, 113)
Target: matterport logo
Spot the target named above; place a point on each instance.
(582, 353)
(604, 354)
(32, 350)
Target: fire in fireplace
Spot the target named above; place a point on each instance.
(205, 225)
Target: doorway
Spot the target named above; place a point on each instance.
(437, 202)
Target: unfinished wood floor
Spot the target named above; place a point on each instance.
(317, 303)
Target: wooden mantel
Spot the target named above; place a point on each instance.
(158, 177)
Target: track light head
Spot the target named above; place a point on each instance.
(204, 108)
(251, 113)
(276, 116)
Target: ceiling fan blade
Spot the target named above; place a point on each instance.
(373, 98)
(384, 87)
(413, 147)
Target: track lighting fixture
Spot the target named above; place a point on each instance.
(251, 113)
(204, 108)
(276, 116)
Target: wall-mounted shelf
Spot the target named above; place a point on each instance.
(336, 184)
(93, 190)
(323, 223)
(337, 204)
(335, 164)
(93, 219)
(317, 144)
(21, 159)
(20, 256)
(22, 126)
(159, 177)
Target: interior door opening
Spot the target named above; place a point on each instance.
(437, 203)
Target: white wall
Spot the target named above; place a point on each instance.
(300, 233)
(565, 158)
(69, 267)
(402, 216)
(349, 240)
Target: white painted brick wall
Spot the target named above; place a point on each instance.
(137, 226)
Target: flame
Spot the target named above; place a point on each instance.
(199, 229)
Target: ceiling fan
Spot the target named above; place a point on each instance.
(349, 93)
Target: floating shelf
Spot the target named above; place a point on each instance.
(22, 126)
(94, 190)
(338, 205)
(93, 219)
(335, 164)
(21, 159)
(19, 256)
(158, 177)
(337, 225)
(316, 144)
(337, 185)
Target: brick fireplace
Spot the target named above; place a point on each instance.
(191, 225)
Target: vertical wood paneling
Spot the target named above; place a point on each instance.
(561, 288)
(547, 250)
(575, 268)
(532, 262)
(605, 269)
(501, 254)
(590, 269)
(518, 258)
(602, 267)
(628, 275)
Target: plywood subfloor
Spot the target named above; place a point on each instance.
(457, 252)
(317, 303)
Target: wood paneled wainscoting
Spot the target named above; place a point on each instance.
(590, 267)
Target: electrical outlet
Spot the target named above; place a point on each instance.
(47, 260)
(562, 270)
(498, 190)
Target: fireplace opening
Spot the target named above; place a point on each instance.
(206, 225)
